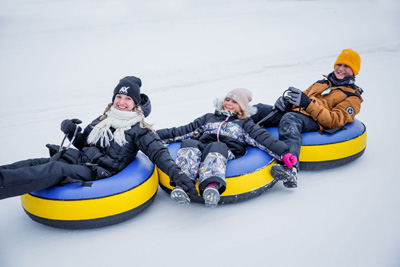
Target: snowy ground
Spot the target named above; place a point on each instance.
(62, 59)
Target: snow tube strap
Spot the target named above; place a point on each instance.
(331, 131)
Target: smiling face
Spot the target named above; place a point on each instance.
(231, 105)
(342, 70)
(123, 102)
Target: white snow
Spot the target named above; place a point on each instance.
(62, 59)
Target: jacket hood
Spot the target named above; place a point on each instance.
(145, 104)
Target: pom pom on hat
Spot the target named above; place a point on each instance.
(350, 58)
(129, 86)
(241, 96)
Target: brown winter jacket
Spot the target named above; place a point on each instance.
(333, 108)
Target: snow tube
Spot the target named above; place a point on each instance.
(246, 177)
(321, 151)
(108, 201)
(249, 176)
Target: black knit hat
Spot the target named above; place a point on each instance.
(129, 86)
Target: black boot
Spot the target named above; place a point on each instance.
(288, 176)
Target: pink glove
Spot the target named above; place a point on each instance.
(289, 160)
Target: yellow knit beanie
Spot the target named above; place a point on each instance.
(350, 58)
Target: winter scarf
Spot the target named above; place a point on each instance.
(117, 119)
(348, 80)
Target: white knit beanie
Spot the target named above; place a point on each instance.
(241, 96)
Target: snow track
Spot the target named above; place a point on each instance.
(61, 59)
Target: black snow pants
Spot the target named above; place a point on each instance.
(35, 174)
(290, 126)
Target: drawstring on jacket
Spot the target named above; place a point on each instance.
(219, 128)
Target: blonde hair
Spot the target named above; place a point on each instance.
(242, 114)
(136, 109)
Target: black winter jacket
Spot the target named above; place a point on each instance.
(114, 158)
(235, 132)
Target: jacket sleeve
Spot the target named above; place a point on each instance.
(339, 115)
(263, 110)
(262, 137)
(194, 129)
(151, 145)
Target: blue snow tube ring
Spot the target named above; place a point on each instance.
(246, 177)
(249, 176)
(108, 201)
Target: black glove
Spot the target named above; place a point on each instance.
(186, 184)
(68, 126)
(298, 98)
(282, 104)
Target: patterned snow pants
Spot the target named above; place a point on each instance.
(204, 162)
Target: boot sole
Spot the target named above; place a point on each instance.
(211, 197)
(179, 196)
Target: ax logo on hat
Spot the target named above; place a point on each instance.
(124, 90)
